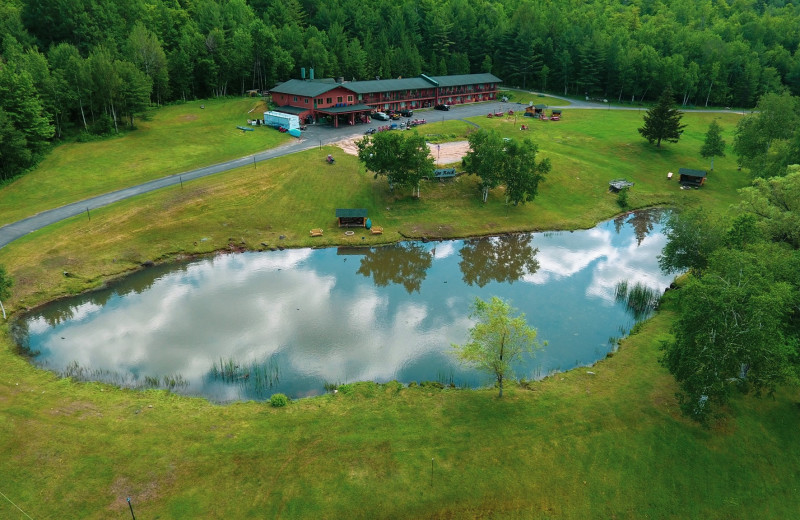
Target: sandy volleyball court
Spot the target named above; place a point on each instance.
(445, 153)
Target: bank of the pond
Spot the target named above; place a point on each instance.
(248, 325)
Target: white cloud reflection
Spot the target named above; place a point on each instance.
(610, 263)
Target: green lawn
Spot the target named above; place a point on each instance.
(609, 445)
(173, 139)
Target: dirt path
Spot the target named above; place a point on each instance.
(445, 153)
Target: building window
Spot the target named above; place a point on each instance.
(329, 100)
(306, 101)
(349, 99)
(339, 99)
(295, 99)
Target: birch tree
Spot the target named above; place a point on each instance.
(498, 340)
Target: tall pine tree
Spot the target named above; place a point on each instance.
(663, 121)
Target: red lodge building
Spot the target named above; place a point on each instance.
(348, 102)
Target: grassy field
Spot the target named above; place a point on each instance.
(249, 207)
(609, 445)
(170, 140)
(576, 446)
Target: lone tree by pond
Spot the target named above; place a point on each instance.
(498, 340)
(663, 121)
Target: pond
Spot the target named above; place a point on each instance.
(295, 321)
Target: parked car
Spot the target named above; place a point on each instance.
(407, 112)
(395, 116)
(442, 107)
(380, 116)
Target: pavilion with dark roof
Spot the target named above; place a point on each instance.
(351, 217)
(689, 177)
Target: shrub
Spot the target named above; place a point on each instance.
(278, 400)
(622, 198)
(431, 384)
(103, 125)
(393, 386)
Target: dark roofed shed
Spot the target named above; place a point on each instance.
(689, 177)
(351, 217)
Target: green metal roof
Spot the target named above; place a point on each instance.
(387, 85)
(310, 88)
(286, 109)
(345, 213)
(465, 79)
(692, 173)
(360, 107)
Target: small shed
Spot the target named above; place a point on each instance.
(352, 217)
(689, 177)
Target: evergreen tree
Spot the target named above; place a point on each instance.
(25, 127)
(663, 121)
(714, 145)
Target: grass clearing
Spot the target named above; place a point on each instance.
(170, 140)
(608, 445)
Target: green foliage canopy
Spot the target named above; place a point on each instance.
(509, 162)
(497, 340)
(5, 284)
(768, 140)
(776, 201)
(714, 145)
(404, 158)
(733, 330)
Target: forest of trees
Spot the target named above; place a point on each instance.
(89, 65)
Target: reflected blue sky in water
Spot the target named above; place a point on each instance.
(314, 316)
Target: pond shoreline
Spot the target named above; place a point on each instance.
(547, 266)
(106, 279)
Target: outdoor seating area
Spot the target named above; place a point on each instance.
(351, 217)
(316, 232)
(377, 230)
(444, 173)
(619, 184)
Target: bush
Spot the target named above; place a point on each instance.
(431, 384)
(278, 400)
(393, 386)
(103, 125)
(622, 198)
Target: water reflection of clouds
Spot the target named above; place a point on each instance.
(563, 254)
(613, 263)
(631, 263)
(445, 249)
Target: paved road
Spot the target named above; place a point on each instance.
(315, 136)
